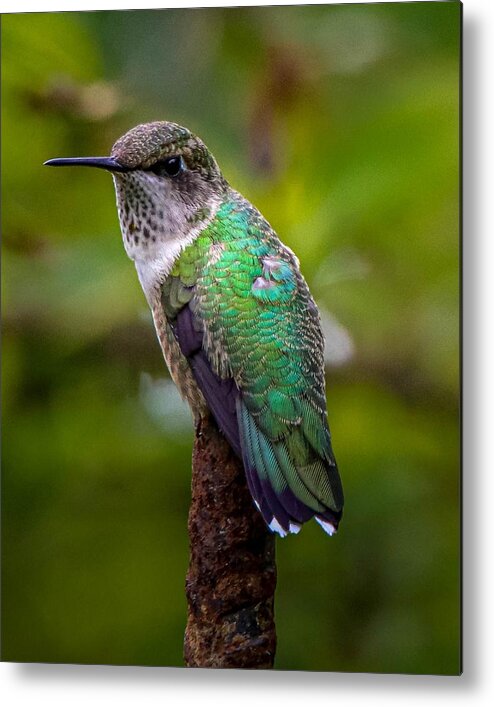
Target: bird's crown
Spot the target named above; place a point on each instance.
(150, 143)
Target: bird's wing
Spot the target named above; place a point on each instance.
(245, 320)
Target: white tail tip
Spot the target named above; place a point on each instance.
(295, 527)
(326, 526)
(277, 528)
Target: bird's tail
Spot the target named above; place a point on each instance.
(288, 494)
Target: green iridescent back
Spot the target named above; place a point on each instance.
(262, 328)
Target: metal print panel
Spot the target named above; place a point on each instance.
(232, 440)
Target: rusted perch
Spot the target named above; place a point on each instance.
(232, 573)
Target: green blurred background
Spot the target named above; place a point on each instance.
(341, 124)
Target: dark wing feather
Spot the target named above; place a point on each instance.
(220, 394)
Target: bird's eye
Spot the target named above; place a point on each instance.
(171, 167)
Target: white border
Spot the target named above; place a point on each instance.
(57, 685)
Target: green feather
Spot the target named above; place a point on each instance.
(257, 311)
(295, 482)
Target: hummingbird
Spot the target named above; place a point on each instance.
(239, 330)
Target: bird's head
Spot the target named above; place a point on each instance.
(167, 183)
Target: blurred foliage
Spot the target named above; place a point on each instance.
(341, 124)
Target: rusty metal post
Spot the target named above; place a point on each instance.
(232, 572)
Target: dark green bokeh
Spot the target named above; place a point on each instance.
(341, 124)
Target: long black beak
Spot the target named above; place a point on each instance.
(108, 163)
